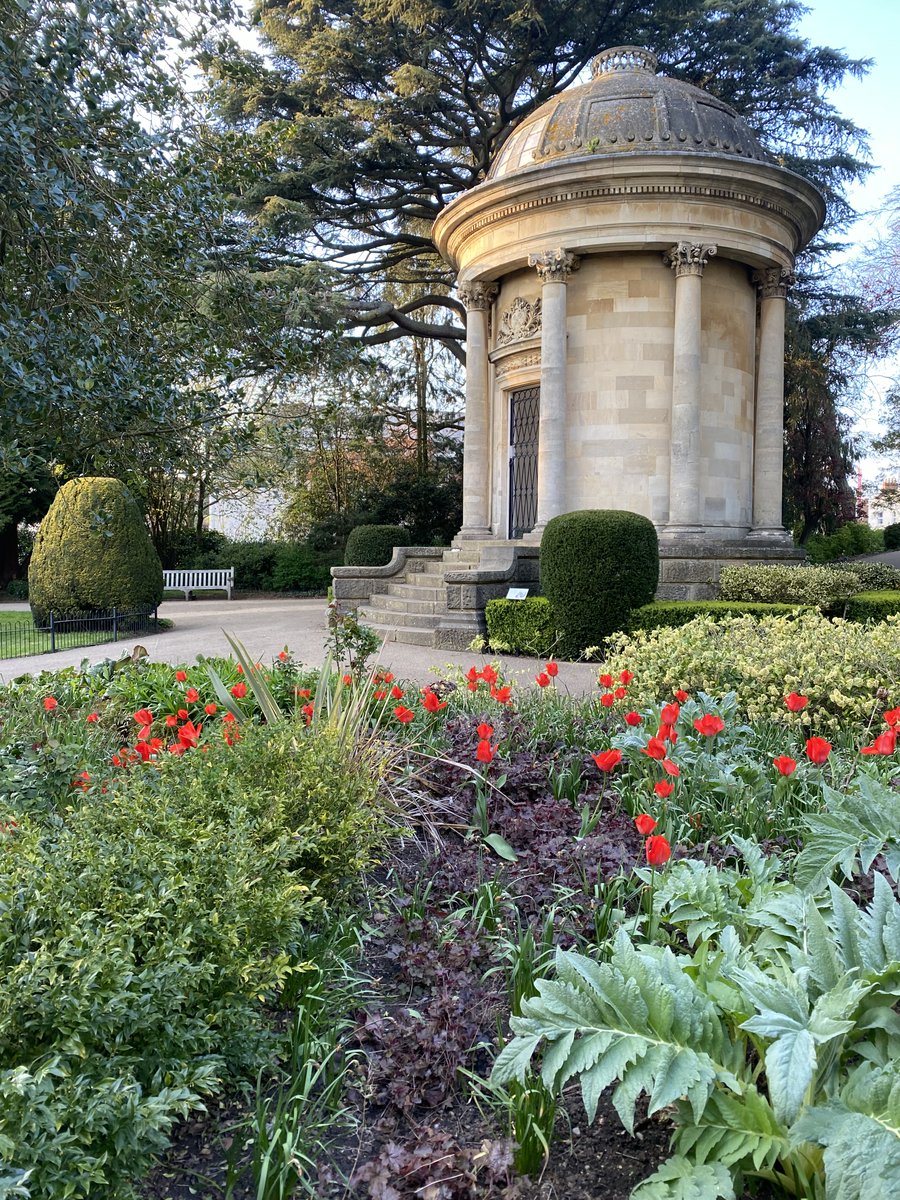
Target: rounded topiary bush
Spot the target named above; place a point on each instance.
(596, 566)
(892, 536)
(93, 551)
(373, 545)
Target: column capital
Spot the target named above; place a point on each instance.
(689, 258)
(554, 266)
(773, 282)
(477, 295)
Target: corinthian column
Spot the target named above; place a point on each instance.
(687, 261)
(554, 268)
(768, 438)
(477, 298)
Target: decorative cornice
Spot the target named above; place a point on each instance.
(773, 282)
(689, 258)
(519, 361)
(521, 320)
(476, 295)
(554, 266)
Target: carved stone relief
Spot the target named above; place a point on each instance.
(521, 320)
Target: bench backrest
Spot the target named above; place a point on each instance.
(219, 577)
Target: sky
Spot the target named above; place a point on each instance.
(867, 29)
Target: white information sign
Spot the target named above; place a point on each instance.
(517, 594)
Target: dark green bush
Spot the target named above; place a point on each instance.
(373, 545)
(853, 538)
(873, 606)
(93, 551)
(269, 566)
(596, 566)
(672, 613)
(301, 569)
(520, 626)
(892, 536)
(17, 589)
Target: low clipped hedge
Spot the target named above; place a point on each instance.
(873, 606)
(596, 566)
(520, 626)
(872, 576)
(825, 588)
(672, 613)
(373, 545)
(892, 536)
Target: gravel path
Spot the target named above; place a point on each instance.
(265, 627)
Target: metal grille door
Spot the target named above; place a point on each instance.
(524, 423)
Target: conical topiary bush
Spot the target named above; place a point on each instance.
(93, 551)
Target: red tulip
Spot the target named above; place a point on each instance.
(620, 693)
(346, 680)
(189, 734)
(645, 824)
(607, 699)
(626, 677)
(485, 731)
(92, 718)
(664, 789)
(431, 703)
(50, 703)
(488, 674)
(473, 675)
(307, 711)
(183, 714)
(817, 750)
(502, 694)
(709, 725)
(670, 768)
(542, 680)
(192, 695)
(404, 715)
(552, 669)
(658, 851)
(785, 764)
(397, 693)
(681, 696)
(893, 717)
(669, 714)
(796, 703)
(885, 743)
(655, 749)
(485, 751)
(210, 709)
(608, 760)
(282, 655)
(239, 691)
(633, 718)
(606, 681)
(181, 676)
(143, 716)
(171, 720)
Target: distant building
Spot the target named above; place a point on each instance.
(884, 508)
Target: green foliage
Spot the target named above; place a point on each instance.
(855, 827)
(672, 613)
(873, 606)
(872, 576)
(93, 551)
(798, 985)
(788, 585)
(596, 567)
(161, 911)
(17, 589)
(520, 626)
(267, 566)
(840, 665)
(855, 537)
(892, 536)
(373, 545)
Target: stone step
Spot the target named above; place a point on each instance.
(404, 633)
(402, 604)
(415, 591)
(374, 614)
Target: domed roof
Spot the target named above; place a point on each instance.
(627, 109)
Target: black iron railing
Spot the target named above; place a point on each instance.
(63, 632)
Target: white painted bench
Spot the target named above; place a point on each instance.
(190, 580)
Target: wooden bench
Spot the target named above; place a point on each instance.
(187, 581)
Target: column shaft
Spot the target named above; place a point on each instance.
(554, 268)
(688, 262)
(768, 440)
(477, 431)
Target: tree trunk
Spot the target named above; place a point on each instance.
(9, 552)
(421, 407)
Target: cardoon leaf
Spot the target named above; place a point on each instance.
(514, 1060)
(681, 1179)
(790, 1066)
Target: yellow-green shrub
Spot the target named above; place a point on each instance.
(778, 584)
(841, 666)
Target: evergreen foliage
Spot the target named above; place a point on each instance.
(672, 613)
(520, 626)
(777, 584)
(373, 545)
(596, 566)
(93, 551)
(873, 606)
(892, 536)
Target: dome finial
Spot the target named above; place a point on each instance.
(624, 58)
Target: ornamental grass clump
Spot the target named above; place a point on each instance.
(849, 672)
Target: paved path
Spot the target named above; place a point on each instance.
(265, 627)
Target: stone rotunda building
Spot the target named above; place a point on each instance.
(624, 268)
